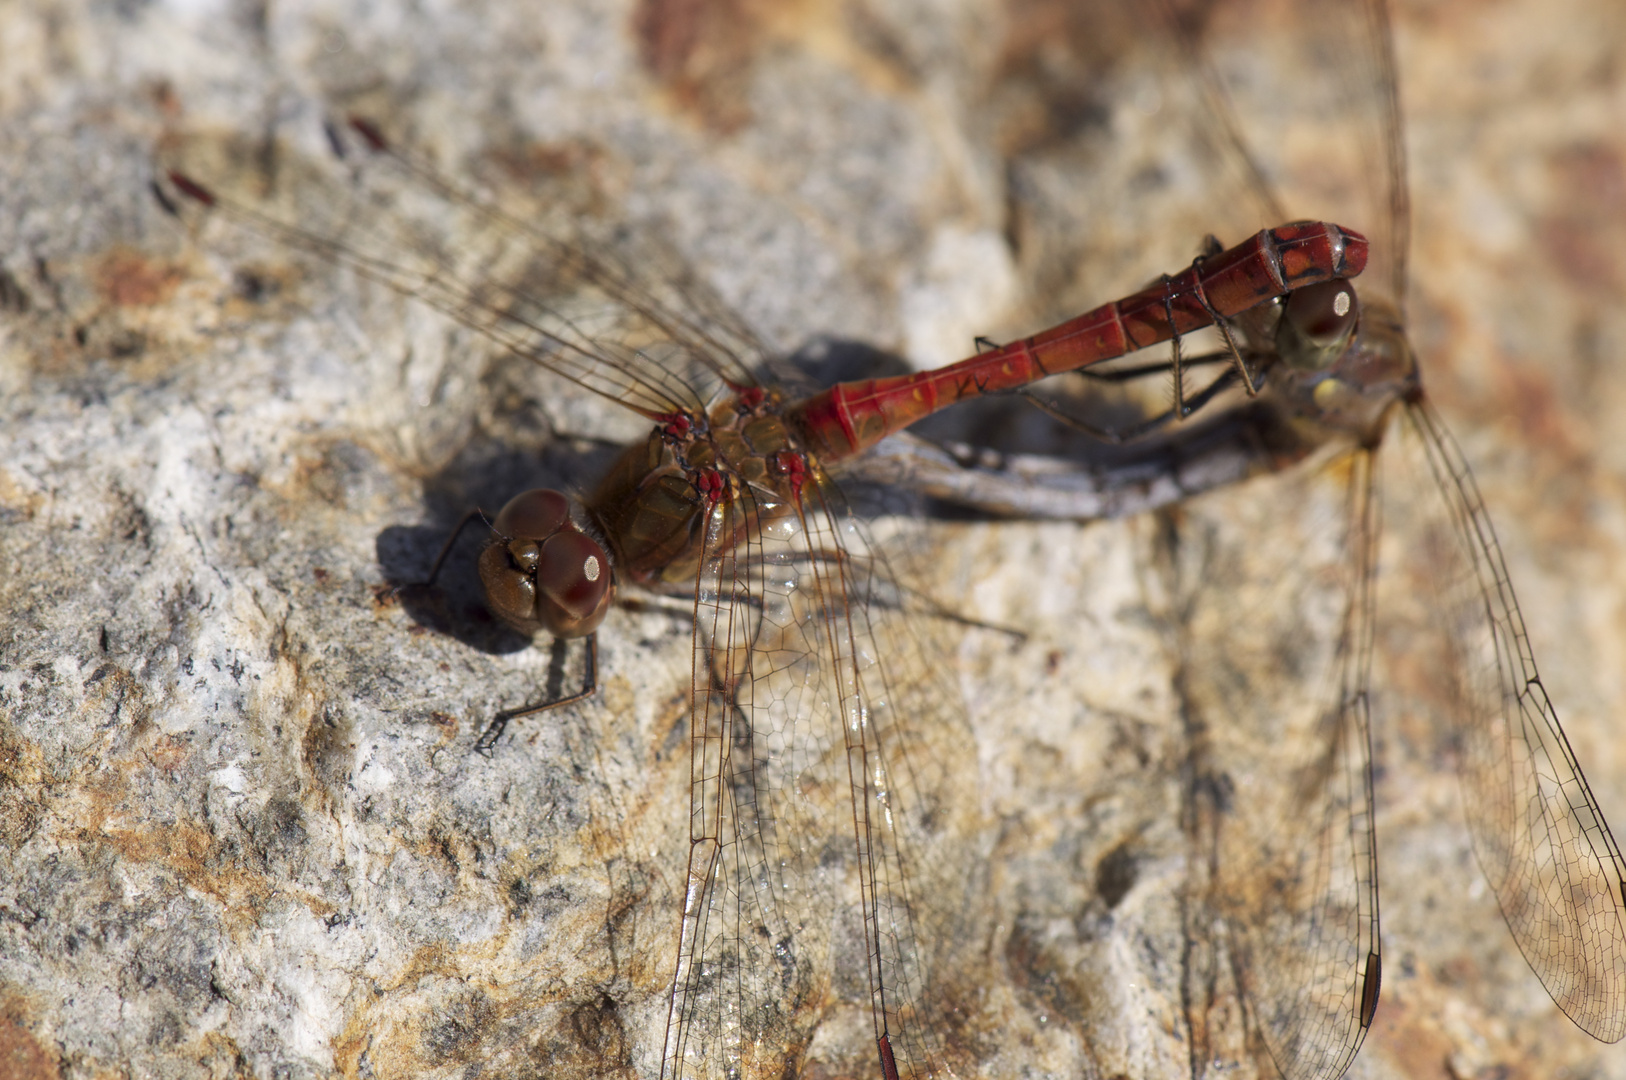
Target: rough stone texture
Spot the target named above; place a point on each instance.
(242, 829)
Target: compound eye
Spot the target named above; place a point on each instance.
(574, 572)
(573, 578)
(1323, 314)
(535, 514)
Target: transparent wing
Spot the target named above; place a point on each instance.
(1537, 829)
(822, 747)
(753, 958)
(1284, 904)
(614, 314)
(1283, 788)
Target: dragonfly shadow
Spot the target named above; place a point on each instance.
(824, 360)
(998, 439)
(483, 476)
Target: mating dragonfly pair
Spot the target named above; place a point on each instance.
(813, 694)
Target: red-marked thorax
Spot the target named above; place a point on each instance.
(728, 474)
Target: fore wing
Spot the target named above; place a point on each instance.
(1282, 901)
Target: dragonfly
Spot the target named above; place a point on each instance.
(817, 709)
(1280, 784)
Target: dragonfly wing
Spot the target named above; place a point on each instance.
(753, 959)
(1284, 905)
(1537, 829)
(908, 751)
(817, 889)
(550, 286)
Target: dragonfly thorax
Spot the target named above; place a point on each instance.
(710, 482)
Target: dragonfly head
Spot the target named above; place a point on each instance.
(1316, 323)
(541, 572)
(1345, 363)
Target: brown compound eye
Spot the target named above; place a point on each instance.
(1316, 324)
(543, 573)
(1323, 313)
(574, 580)
(535, 514)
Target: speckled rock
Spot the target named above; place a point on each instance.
(242, 831)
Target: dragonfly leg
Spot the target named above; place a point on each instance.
(1140, 371)
(445, 550)
(1174, 348)
(1220, 322)
(499, 723)
(1146, 427)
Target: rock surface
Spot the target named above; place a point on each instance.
(241, 825)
